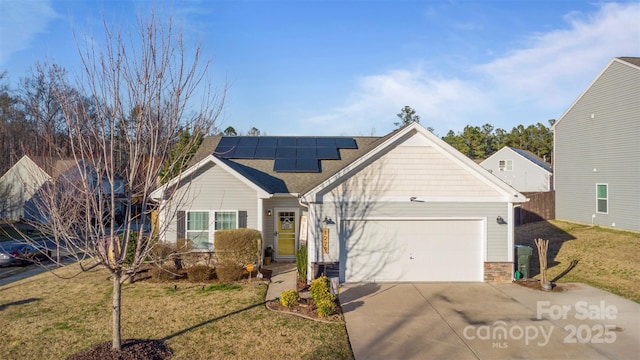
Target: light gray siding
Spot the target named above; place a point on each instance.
(598, 141)
(524, 175)
(212, 188)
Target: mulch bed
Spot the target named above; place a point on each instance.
(132, 349)
(304, 308)
(536, 285)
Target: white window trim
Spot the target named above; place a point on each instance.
(607, 198)
(186, 229)
(212, 225)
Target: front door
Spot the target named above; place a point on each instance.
(286, 233)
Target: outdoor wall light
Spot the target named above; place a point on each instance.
(269, 213)
(500, 220)
(327, 220)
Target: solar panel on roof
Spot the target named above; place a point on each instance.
(265, 152)
(245, 152)
(287, 141)
(267, 141)
(284, 164)
(327, 153)
(346, 143)
(291, 154)
(228, 141)
(248, 141)
(306, 141)
(286, 152)
(306, 152)
(326, 142)
(307, 165)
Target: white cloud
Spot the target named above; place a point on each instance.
(531, 84)
(558, 65)
(20, 22)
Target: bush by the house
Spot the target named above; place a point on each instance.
(301, 263)
(325, 307)
(320, 289)
(242, 246)
(229, 271)
(289, 298)
(163, 273)
(199, 273)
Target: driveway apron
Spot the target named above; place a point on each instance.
(449, 321)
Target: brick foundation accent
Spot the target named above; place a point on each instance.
(498, 272)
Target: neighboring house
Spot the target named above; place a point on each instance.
(597, 150)
(18, 186)
(404, 207)
(23, 184)
(521, 169)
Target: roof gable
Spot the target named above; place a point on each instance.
(527, 155)
(632, 62)
(406, 136)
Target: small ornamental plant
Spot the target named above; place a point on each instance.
(325, 307)
(320, 289)
(289, 298)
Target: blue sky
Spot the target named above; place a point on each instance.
(347, 67)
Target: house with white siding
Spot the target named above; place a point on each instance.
(403, 207)
(522, 169)
(597, 150)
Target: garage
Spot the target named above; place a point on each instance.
(413, 250)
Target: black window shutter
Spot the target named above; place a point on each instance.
(181, 225)
(242, 219)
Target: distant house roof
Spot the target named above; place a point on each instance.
(533, 158)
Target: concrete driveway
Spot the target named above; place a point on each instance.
(484, 321)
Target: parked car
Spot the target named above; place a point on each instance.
(22, 254)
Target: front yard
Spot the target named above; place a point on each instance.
(607, 259)
(48, 317)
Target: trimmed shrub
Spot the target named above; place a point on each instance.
(229, 271)
(199, 273)
(325, 307)
(320, 289)
(163, 273)
(289, 298)
(183, 245)
(162, 251)
(301, 263)
(242, 246)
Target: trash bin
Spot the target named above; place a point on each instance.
(523, 257)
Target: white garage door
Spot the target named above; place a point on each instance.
(413, 250)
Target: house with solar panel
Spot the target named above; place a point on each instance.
(403, 207)
(522, 169)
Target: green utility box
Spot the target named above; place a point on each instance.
(523, 259)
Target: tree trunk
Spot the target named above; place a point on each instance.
(117, 300)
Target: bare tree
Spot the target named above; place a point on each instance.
(144, 88)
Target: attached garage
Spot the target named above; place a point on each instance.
(387, 250)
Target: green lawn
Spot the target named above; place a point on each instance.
(48, 317)
(607, 259)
